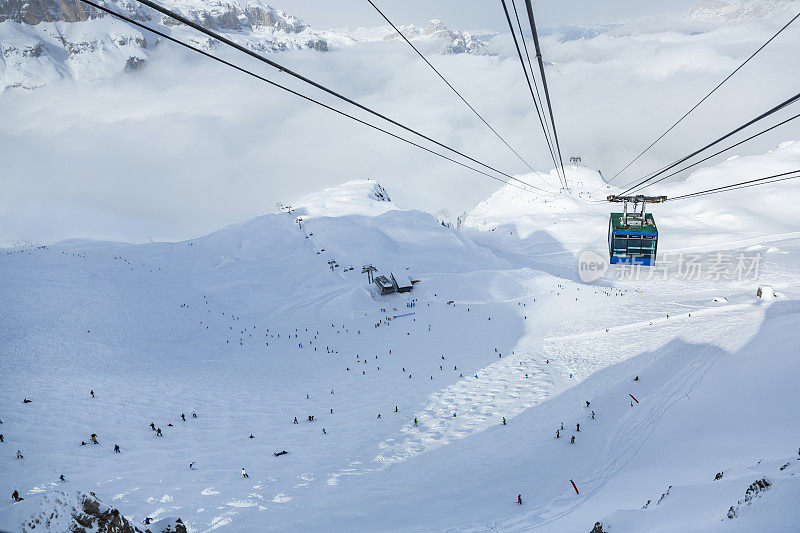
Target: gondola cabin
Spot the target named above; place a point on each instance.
(633, 235)
(632, 244)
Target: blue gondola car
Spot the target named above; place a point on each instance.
(635, 242)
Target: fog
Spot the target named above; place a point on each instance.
(185, 146)
(474, 15)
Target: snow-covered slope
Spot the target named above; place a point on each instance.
(711, 222)
(261, 322)
(45, 40)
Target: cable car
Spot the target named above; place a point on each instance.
(633, 235)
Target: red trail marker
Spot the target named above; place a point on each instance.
(574, 487)
(634, 399)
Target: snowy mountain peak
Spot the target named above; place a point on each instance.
(455, 41)
(238, 16)
(739, 10)
(357, 197)
(36, 12)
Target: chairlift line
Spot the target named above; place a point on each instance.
(529, 7)
(729, 76)
(633, 235)
(305, 97)
(741, 185)
(726, 149)
(548, 135)
(305, 79)
(762, 116)
(752, 185)
(420, 54)
(530, 89)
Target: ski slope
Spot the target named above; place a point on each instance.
(249, 327)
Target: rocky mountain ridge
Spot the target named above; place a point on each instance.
(42, 41)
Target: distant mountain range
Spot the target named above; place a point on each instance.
(739, 10)
(42, 41)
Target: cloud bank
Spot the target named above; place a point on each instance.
(184, 146)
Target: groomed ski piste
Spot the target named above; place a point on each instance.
(249, 327)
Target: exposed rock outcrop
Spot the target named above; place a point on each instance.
(82, 512)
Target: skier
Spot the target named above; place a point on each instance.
(562, 426)
(244, 473)
(92, 393)
(636, 378)
(158, 433)
(572, 440)
(191, 465)
(558, 435)
(379, 415)
(504, 421)
(331, 411)
(395, 408)
(1, 438)
(116, 448)
(577, 427)
(194, 415)
(519, 499)
(94, 438)
(295, 420)
(19, 454)
(324, 432)
(251, 436)
(587, 403)
(62, 478)
(415, 423)
(592, 415)
(183, 416)
(152, 426)
(16, 497)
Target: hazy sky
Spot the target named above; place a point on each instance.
(475, 14)
(184, 146)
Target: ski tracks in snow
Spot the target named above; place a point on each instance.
(502, 388)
